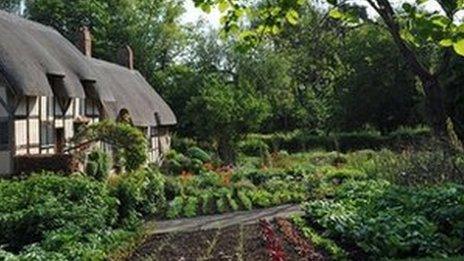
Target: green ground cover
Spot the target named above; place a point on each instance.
(366, 203)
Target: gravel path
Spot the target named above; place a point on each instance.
(219, 221)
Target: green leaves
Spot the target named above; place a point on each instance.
(390, 221)
(292, 17)
(459, 47)
(335, 13)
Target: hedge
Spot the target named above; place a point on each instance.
(63, 163)
(300, 140)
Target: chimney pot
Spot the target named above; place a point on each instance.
(85, 41)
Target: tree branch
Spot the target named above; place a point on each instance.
(445, 62)
(386, 12)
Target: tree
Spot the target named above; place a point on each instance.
(222, 114)
(13, 6)
(407, 28)
(375, 88)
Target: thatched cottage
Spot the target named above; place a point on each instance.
(48, 87)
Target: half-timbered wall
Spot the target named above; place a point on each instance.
(159, 143)
(39, 121)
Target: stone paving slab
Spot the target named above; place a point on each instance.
(219, 221)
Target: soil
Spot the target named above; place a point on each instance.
(237, 242)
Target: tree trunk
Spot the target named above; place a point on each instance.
(435, 100)
(226, 150)
(435, 107)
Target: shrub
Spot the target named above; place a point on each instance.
(56, 217)
(340, 175)
(257, 177)
(385, 220)
(176, 163)
(98, 165)
(182, 144)
(244, 200)
(261, 198)
(209, 179)
(329, 246)
(130, 143)
(253, 147)
(191, 207)
(300, 140)
(175, 208)
(172, 188)
(207, 202)
(223, 203)
(199, 154)
(140, 193)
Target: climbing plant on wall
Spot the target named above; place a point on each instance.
(129, 143)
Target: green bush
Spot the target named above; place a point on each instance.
(261, 198)
(209, 179)
(385, 220)
(341, 175)
(176, 163)
(208, 202)
(329, 246)
(130, 143)
(140, 193)
(172, 188)
(182, 144)
(52, 217)
(175, 208)
(245, 201)
(199, 154)
(191, 207)
(98, 165)
(253, 147)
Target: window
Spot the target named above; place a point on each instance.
(47, 136)
(4, 135)
(153, 131)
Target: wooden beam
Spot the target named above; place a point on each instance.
(28, 132)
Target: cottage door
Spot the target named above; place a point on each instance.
(60, 141)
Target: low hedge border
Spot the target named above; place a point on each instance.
(27, 164)
(299, 141)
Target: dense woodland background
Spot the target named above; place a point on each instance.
(319, 75)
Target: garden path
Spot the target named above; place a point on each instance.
(219, 221)
(232, 236)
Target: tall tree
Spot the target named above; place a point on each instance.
(407, 28)
(13, 6)
(151, 28)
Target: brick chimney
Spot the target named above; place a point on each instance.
(126, 57)
(84, 41)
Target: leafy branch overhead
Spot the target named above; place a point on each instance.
(418, 26)
(265, 18)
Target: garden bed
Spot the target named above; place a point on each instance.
(238, 242)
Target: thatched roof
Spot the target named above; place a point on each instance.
(31, 54)
(132, 92)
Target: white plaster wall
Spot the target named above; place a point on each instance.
(20, 133)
